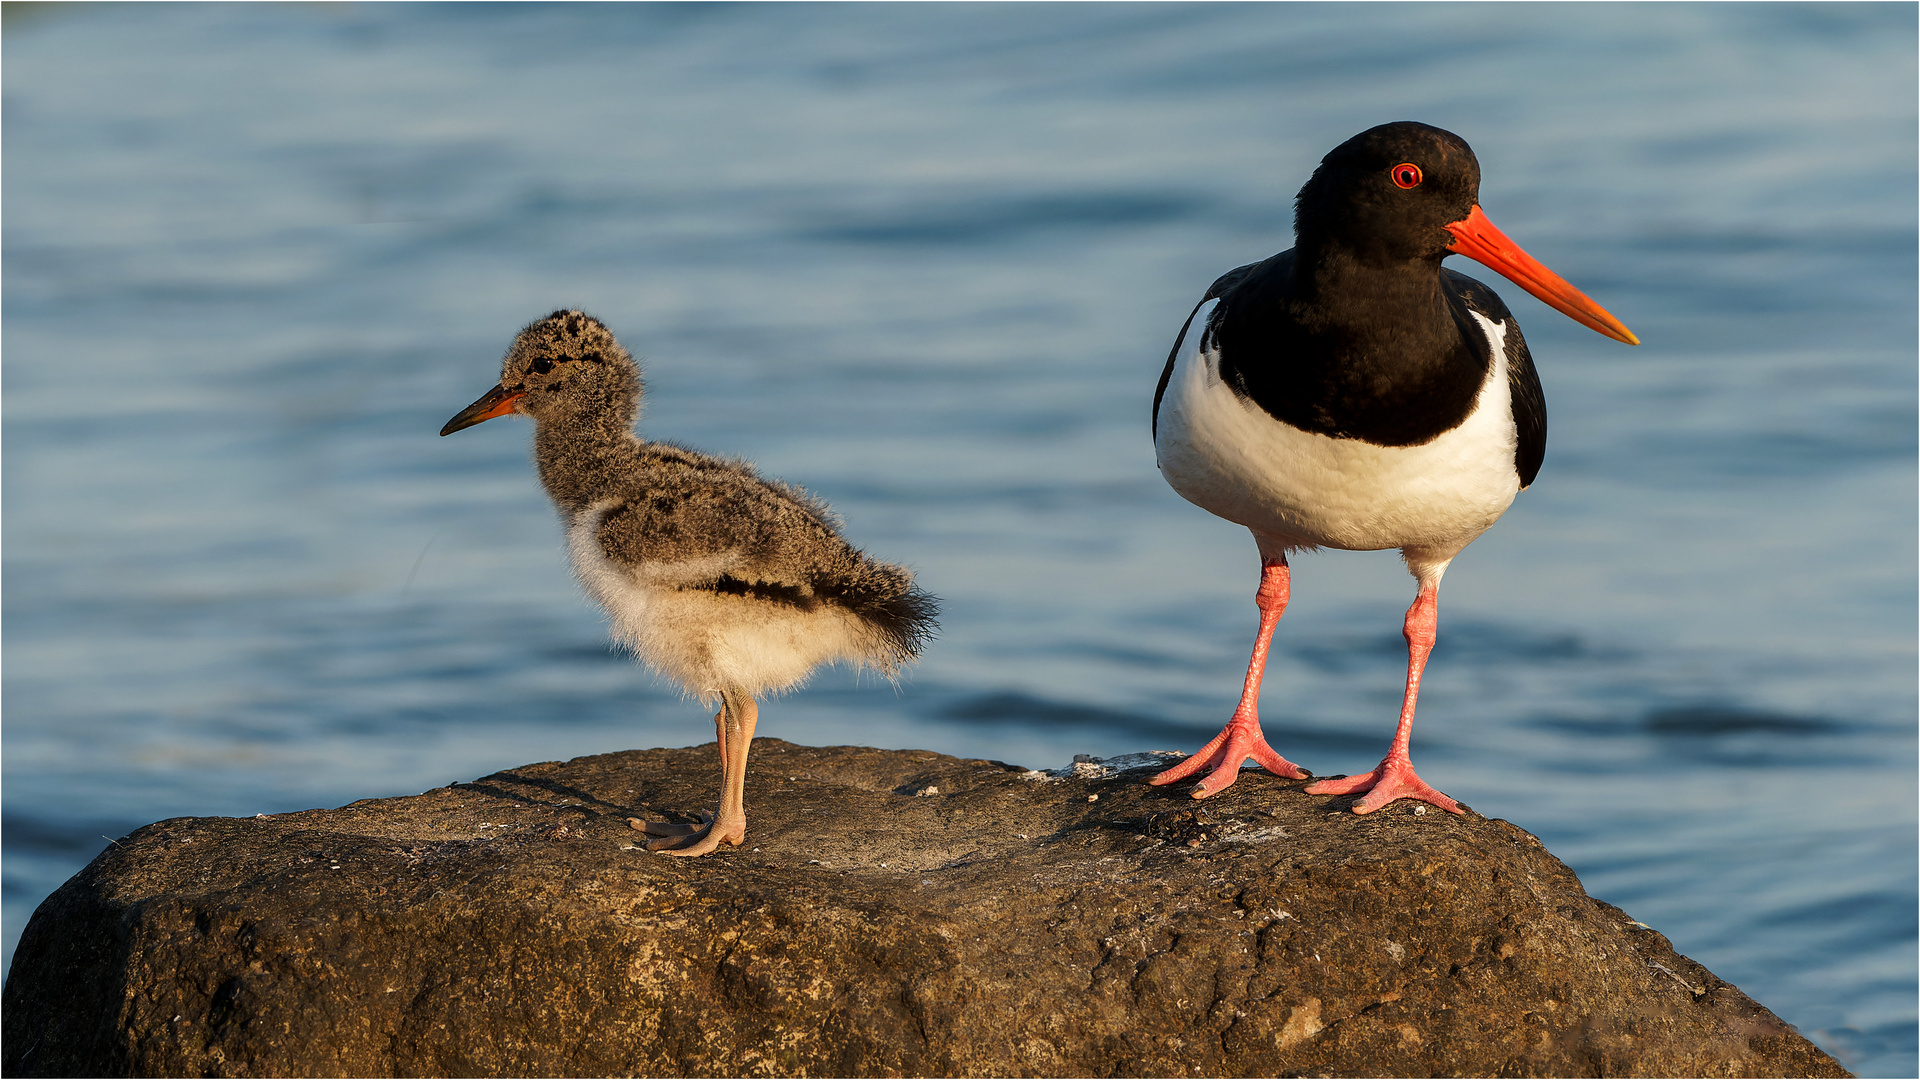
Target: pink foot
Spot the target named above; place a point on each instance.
(1392, 779)
(1237, 742)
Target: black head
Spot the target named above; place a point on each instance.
(1388, 194)
(567, 365)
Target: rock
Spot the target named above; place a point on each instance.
(893, 913)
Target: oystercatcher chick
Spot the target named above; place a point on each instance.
(732, 585)
(1353, 393)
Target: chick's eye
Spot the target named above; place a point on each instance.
(1406, 174)
(542, 366)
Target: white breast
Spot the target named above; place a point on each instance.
(703, 640)
(1226, 455)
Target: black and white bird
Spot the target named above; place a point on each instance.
(1353, 393)
(729, 584)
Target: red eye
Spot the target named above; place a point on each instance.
(1406, 175)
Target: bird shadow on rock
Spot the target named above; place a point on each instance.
(584, 799)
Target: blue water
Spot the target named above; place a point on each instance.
(927, 260)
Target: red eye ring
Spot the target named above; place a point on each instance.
(1406, 174)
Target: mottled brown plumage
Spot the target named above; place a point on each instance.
(730, 584)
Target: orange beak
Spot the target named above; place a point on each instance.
(498, 401)
(1477, 239)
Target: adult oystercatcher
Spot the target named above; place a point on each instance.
(1353, 393)
(731, 585)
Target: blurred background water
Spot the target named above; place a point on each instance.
(927, 260)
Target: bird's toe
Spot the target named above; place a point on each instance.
(677, 839)
(700, 843)
(664, 828)
(1390, 781)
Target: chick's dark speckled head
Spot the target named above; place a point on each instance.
(565, 367)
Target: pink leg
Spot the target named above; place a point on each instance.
(1394, 777)
(1241, 738)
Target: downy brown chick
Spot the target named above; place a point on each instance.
(731, 585)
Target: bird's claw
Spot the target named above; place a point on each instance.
(673, 839)
(699, 843)
(665, 828)
(1392, 779)
(1235, 744)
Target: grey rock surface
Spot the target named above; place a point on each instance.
(893, 913)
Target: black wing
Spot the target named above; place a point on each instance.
(1218, 289)
(1523, 382)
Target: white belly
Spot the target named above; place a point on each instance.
(702, 640)
(1228, 456)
